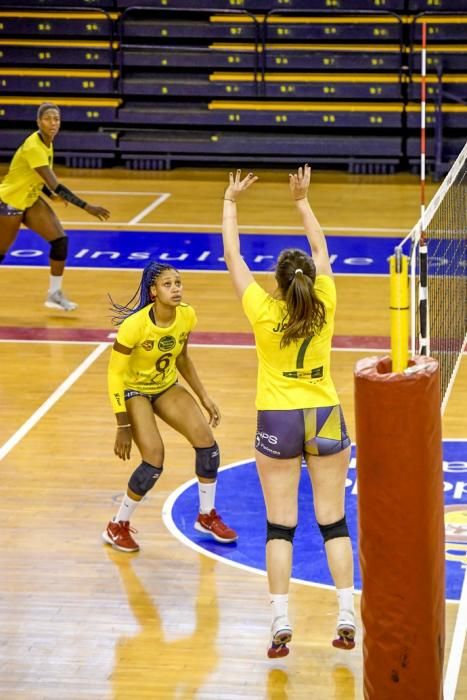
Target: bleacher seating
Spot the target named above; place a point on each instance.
(152, 83)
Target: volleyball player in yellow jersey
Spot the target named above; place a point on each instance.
(299, 415)
(151, 347)
(30, 174)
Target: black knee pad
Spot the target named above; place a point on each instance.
(207, 461)
(144, 478)
(280, 532)
(59, 248)
(2, 257)
(334, 530)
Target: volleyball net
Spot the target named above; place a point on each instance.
(438, 276)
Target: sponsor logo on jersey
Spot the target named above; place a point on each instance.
(167, 343)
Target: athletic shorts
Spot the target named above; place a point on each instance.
(313, 431)
(8, 210)
(130, 393)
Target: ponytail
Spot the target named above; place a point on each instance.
(306, 313)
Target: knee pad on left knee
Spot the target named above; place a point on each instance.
(144, 478)
(280, 532)
(334, 530)
(207, 461)
(59, 249)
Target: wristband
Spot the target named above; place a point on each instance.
(68, 195)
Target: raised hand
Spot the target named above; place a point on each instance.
(299, 182)
(236, 185)
(98, 212)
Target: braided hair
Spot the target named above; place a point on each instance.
(142, 297)
(306, 313)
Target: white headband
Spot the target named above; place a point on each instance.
(299, 269)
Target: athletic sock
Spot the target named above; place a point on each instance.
(279, 605)
(207, 496)
(345, 599)
(55, 283)
(127, 507)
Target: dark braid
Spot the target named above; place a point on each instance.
(150, 273)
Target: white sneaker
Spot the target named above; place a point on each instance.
(58, 300)
(281, 632)
(345, 629)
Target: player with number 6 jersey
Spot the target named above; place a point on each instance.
(150, 350)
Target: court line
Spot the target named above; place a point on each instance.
(46, 266)
(53, 398)
(165, 224)
(159, 200)
(119, 194)
(457, 647)
(173, 529)
(460, 627)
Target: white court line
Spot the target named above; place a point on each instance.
(159, 200)
(119, 194)
(188, 269)
(53, 398)
(165, 224)
(193, 346)
(460, 628)
(173, 529)
(457, 647)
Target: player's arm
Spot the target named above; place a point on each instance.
(118, 363)
(56, 187)
(239, 270)
(188, 371)
(299, 183)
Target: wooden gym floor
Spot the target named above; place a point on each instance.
(83, 622)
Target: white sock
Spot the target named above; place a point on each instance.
(279, 605)
(345, 599)
(127, 507)
(207, 496)
(55, 283)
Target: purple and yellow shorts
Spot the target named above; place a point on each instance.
(313, 431)
(8, 210)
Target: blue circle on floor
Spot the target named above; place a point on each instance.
(240, 502)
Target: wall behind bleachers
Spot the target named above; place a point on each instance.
(152, 83)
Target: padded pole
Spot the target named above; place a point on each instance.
(401, 528)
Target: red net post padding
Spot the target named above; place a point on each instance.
(401, 529)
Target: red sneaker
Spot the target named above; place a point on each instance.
(281, 632)
(212, 524)
(346, 629)
(119, 536)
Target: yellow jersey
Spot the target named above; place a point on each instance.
(22, 185)
(298, 375)
(151, 366)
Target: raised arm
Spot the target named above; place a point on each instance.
(239, 270)
(299, 184)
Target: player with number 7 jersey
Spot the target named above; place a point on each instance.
(299, 414)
